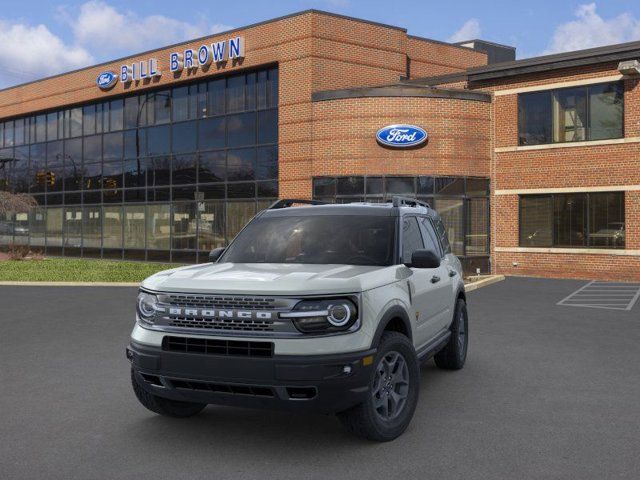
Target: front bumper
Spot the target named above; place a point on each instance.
(320, 383)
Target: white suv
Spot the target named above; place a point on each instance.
(326, 308)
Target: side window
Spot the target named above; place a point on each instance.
(442, 235)
(411, 238)
(430, 239)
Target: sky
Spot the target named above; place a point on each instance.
(39, 38)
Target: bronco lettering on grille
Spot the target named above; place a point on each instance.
(210, 313)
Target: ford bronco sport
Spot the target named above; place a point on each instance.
(325, 308)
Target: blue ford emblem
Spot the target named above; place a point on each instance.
(401, 136)
(106, 80)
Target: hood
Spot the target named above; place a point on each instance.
(273, 279)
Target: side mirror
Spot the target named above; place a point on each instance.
(424, 259)
(215, 254)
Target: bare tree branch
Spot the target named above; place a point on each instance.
(16, 203)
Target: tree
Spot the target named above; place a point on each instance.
(16, 203)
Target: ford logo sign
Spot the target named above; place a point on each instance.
(106, 80)
(401, 136)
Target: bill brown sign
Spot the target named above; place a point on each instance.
(189, 59)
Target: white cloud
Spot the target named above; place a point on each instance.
(29, 52)
(469, 31)
(108, 31)
(591, 30)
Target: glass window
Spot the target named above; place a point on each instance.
(449, 185)
(570, 115)
(429, 236)
(162, 106)
(183, 137)
(267, 163)
(250, 91)
(180, 104)
(374, 186)
(425, 185)
(211, 133)
(477, 186)
(135, 172)
(112, 227)
(92, 227)
(112, 175)
(158, 140)
(235, 93)
(41, 128)
(131, 112)
(216, 97)
(241, 129)
(268, 126)
(54, 227)
(606, 111)
(452, 213)
(73, 227)
(158, 226)
(184, 169)
(92, 148)
(324, 187)
(75, 122)
(19, 131)
(606, 220)
(350, 186)
(570, 220)
(477, 237)
(102, 117)
(400, 186)
(89, 116)
(116, 115)
(212, 167)
(573, 220)
(364, 240)
(534, 118)
(134, 226)
(241, 164)
(92, 176)
(37, 226)
(112, 146)
(8, 134)
(184, 226)
(237, 216)
(211, 226)
(411, 238)
(272, 88)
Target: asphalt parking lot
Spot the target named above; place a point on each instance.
(548, 392)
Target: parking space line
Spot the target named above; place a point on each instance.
(607, 295)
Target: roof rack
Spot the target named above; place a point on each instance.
(288, 202)
(408, 202)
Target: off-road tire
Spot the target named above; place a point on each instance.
(164, 406)
(454, 354)
(363, 420)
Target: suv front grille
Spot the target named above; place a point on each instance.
(208, 346)
(218, 301)
(221, 324)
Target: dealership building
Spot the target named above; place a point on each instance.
(533, 164)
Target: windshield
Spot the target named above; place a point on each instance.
(348, 240)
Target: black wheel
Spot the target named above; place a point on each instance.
(164, 406)
(454, 354)
(393, 392)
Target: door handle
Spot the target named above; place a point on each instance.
(435, 279)
(452, 273)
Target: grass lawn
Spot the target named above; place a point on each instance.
(77, 270)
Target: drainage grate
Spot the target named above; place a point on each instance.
(607, 295)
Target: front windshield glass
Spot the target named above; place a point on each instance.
(348, 240)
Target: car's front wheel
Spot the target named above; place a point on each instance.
(164, 406)
(393, 392)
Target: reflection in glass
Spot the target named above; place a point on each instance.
(158, 227)
(134, 226)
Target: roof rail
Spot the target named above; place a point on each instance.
(408, 201)
(288, 202)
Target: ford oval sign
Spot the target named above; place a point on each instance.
(106, 80)
(401, 136)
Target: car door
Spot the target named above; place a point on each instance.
(423, 284)
(445, 272)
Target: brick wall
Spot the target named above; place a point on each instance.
(564, 167)
(430, 58)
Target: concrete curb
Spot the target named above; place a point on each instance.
(70, 284)
(483, 283)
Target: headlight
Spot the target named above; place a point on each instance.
(323, 316)
(146, 306)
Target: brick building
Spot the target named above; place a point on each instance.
(164, 155)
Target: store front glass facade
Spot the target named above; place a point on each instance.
(462, 202)
(164, 175)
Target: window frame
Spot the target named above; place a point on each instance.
(587, 221)
(552, 94)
